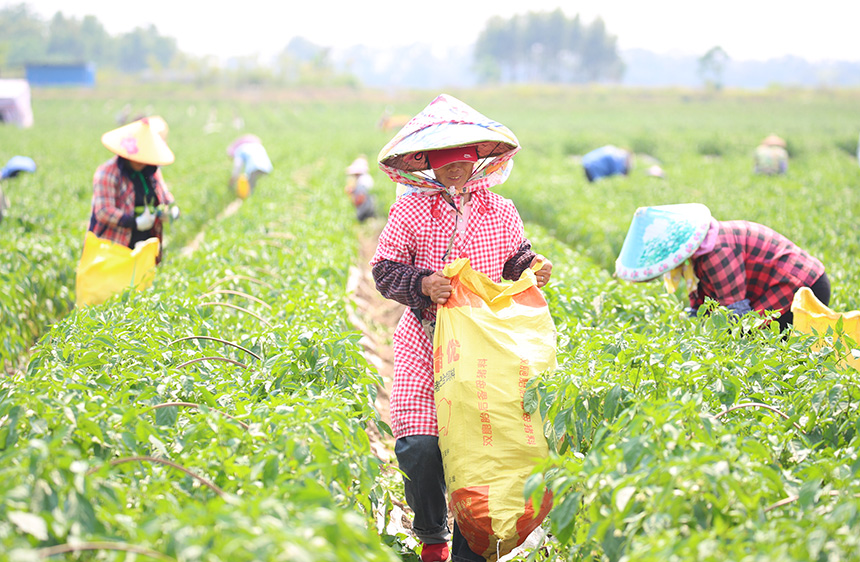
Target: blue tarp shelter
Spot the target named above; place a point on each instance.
(77, 74)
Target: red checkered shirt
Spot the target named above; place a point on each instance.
(417, 233)
(752, 261)
(113, 197)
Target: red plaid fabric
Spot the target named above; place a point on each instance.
(113, 197)
(752, 261)
(417, 233)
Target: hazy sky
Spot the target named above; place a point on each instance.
(745, 29)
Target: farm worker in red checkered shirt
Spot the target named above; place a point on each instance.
(449, 213)
(129, 193)
(742, 265)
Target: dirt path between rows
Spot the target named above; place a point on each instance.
(231, 209)
(376, 317)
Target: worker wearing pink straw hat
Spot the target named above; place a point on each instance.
(449, 213)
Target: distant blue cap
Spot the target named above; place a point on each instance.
(17, 164)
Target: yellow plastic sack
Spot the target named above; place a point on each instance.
(243, 186)
(812, 316)
(107, 268)
(490, 340)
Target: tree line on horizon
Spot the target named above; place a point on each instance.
(25, 39)
(536, 46)
(547, 47)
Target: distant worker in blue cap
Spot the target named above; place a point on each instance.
(607, 161)
(16, 165)
(13, 167)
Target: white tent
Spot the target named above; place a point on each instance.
(15, 103)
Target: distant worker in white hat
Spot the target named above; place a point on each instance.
(771, 156)
(129, 193)
(358, 184)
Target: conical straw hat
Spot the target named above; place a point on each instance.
(159, 125)
(660, 239)
(358, 166)
(140, 141)
(773, 140)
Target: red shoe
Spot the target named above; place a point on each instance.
(435, 552)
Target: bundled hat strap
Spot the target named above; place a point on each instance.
(672, 278)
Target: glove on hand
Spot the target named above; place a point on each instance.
(145, 221)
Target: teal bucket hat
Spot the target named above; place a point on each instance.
(660, 239)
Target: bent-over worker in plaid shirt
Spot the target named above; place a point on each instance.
(424, 232)
(747, 266)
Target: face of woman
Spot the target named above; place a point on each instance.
(137, 165)
(455, 174)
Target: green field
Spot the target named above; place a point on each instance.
(645, 465)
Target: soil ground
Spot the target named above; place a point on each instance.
(376, 317)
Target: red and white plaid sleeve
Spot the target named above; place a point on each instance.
(397, 242)
(105, 182)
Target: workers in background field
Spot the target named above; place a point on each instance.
(389, 121)
(607, 161)
(250, 161)
(13, 167)
(358, 184)
(771, 156)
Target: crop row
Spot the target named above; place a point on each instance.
(43, 231)
(220, 415)
(692, 439)
(669, 434)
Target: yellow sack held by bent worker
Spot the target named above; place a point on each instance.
(490, 339)
(106, 268)
(243, 186)
(812, 316)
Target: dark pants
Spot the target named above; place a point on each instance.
(588, 175)
(821, 290)
(424, 482)
(253, 177)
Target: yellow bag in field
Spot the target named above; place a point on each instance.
(243, 186)
(490, 340)
(811, 316)
(106, 268)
